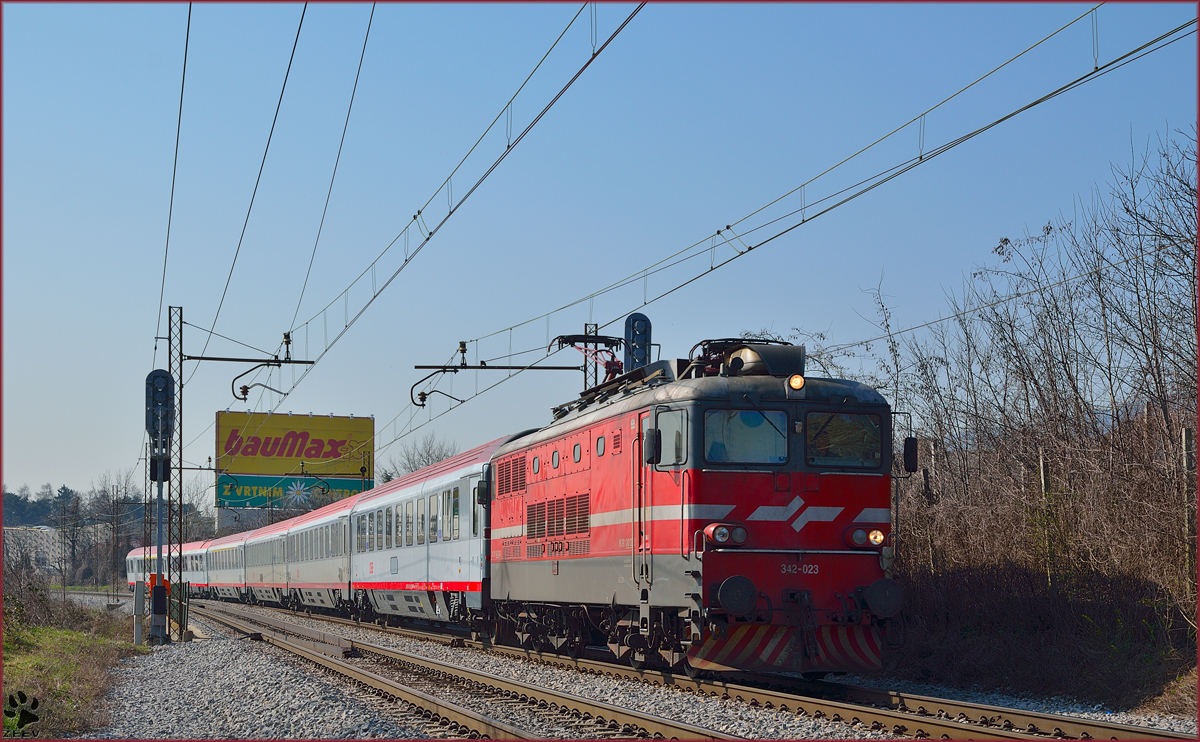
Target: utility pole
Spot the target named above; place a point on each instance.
(175, 496)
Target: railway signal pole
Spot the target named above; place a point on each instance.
(160, 426)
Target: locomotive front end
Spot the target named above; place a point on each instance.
(790, 528)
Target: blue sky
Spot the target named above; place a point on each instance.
(694, 117)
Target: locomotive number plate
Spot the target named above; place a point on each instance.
(791, 568)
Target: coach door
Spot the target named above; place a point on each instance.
(642, 504)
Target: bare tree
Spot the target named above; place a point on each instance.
(416, 455)
(115, 504)
(199, 521)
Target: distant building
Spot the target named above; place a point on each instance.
(42, 547)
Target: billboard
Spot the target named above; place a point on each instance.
(292, 461)
(285, 492)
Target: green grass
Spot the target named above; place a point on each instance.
(67, 670)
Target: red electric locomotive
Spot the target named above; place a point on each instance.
(724, 512)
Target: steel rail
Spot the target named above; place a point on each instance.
(900, 713)
(651, 724)
(449, 713)
(1034, 722)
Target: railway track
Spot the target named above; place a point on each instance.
(576, 716)
(898, 713)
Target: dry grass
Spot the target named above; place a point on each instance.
(62, 654)
(1178, 699)
(1095, 639)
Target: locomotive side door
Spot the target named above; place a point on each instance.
(642, 514)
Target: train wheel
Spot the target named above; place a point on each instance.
(638, 659)
(688, 669)
(498, 632)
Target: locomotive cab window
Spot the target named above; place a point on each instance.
(744, 437)
(672, 428)
(844, 439)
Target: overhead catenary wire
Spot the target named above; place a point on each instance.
(428, 233)
(187, 37)
(1137, 53)
(431, 232)
(702, 247)
(416, 219)
(1005, 300)
(257, 180)
(224, 337)
(338, 159)
(1115, 64)
(664, 262)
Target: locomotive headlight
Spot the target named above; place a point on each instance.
(721, 534)
(796, 382)
(859, 537)
(739, 535)
(876, 537)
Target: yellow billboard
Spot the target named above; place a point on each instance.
(295, 445)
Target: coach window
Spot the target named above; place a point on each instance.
(444, 533)
(387, 533)
(474, 515)
(434, 517)
(360, 536)
(554, 459)
(379, 529)
(454, 515)
(600, 446)
(408, 523)
(399, 525)
(420, 520)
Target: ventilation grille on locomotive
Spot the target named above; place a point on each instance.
(562, 517)
(510, 475)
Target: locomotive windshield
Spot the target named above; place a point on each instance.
(746, 436)
(843, 439)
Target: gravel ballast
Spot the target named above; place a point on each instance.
(225, 687)
(1052, 705)
(727, 716)
(229, 688)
